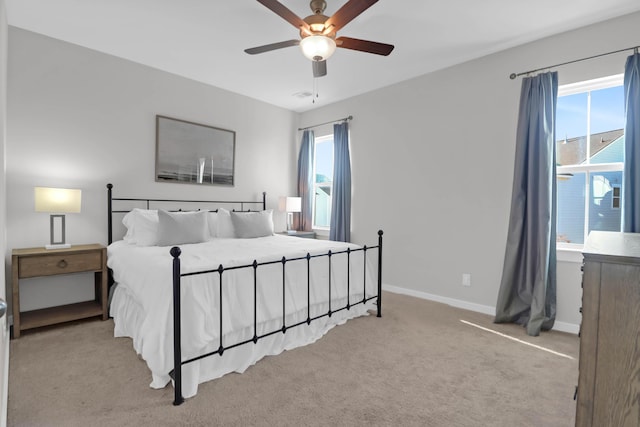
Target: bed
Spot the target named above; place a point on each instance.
(206, 291)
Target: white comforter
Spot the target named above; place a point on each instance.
(142, 302)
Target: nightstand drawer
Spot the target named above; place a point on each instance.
(48, 265)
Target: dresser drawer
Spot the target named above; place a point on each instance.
(48, 265)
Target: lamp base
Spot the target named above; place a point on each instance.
(60, 246)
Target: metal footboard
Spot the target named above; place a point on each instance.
(176, 374)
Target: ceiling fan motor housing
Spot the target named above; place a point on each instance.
(317, 27)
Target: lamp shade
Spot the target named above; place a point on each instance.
(290, 204)
(58, 200)
(318, 47)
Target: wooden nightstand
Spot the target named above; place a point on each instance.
(303, 234)
(39, 262)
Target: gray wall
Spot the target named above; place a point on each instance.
(80, 119)
(433, 165)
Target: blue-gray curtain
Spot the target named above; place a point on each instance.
(528, 288)
(340, 226)
(631, 198)
(305, 181)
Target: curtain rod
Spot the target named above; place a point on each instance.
(326, 123)
(514, 75)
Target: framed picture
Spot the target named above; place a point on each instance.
(193, 153)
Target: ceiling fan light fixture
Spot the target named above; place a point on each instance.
(318, 47)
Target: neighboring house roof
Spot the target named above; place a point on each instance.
(322, 178)
(613, 152)
(573, 151)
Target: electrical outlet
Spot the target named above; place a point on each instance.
(466, 279)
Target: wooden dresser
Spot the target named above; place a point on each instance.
(609, 379)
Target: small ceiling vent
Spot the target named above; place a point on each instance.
(302, 95)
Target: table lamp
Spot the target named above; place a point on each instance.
(290, 205)
(57, 202)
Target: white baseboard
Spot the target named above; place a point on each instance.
(566, 327)
(485, 309)
(479, 308)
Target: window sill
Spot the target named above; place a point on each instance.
(569, 255)
(322, 233)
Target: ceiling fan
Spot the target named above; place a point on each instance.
(318, 32)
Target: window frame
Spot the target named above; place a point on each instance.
(589, 168)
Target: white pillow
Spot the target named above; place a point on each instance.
(248, 225)
(225, 226)
(212, 220)
(177, 228)
(142, 227)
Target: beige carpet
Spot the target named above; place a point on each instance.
(418, 365)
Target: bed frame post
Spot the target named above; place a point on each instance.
(264, 200)
(110, 280)
(177, 352)
(109, 214)
(379, 303)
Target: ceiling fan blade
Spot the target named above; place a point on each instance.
(285, 13)
(319, 68)
(364, 46)
(348, 12)
(272, 46)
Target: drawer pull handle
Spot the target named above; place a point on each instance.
(62, 263)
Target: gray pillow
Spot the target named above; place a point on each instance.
(248, 225)
(177, 228)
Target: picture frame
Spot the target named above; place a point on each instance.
(194, 153)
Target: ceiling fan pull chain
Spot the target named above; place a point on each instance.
(315, 90)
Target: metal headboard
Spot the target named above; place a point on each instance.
(244, 205)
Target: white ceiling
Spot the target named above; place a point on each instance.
(205, 40)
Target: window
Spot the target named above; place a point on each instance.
(589, 156)
(323, 182)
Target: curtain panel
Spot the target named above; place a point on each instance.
(631, 198)
(527, 294)
(306, 181)
(340, 224)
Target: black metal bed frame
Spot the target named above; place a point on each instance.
(175, 252)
